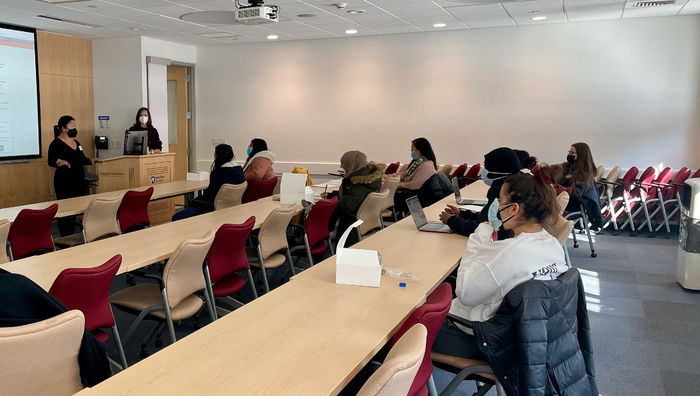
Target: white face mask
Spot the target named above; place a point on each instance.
(143, 119)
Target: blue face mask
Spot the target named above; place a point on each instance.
(487, 179)
(493, 215)
(250, 150)
(414, 156)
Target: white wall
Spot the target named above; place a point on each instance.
(630, 88)
(121, 85)
(117, 86)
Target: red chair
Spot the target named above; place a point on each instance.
(459, 172)
(473, 174)
(87, 290)
(133, 211)
(651, 203)
(670, 198)
(30, 233)
(317, 238)
(226, 257)
(392, 168)
(618, 202)
(696, 174)
(431, 314)
(259, 189)
(638, 193)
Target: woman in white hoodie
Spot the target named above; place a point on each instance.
(489, 269)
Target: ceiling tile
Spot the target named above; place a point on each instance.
(482, 15)
(587, 10)
(691, 7)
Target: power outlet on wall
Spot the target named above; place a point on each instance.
(217, 141)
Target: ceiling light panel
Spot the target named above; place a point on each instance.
(586, 10)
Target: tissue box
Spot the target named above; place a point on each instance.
(198, 176)
(358, 267)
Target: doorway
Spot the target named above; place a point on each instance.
(178, 119)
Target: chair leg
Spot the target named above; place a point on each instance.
(457, 380)
(210, 305)
(252, 284)
(432, 390)
(209, 292)
(120, 347)
(588, 233)
(330, 247)
(308, 250)
(393, 214)
(573, 234)
(291, 263)
(262, 268)
(359, 234)
(168, 318)
(566, 256)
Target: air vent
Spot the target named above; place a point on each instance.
(72, 22)
(644, 4)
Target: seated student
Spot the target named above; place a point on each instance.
(423, 166)
(498, 164)
(490, 269)
(223, 171)
(361, 178)
(258, 165)
(579, 175)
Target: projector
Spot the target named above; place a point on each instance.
(256, 13)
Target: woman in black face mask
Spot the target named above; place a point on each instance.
(66, 155)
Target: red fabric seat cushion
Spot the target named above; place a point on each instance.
(228, 285)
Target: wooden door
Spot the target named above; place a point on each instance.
(177, 120)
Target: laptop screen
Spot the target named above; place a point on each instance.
(416, 212)
(455, 186)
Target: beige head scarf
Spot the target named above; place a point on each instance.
(352, 161)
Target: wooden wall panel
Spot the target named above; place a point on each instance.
(65, 87)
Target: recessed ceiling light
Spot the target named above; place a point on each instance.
(272, 37)
(351, 31)
(137, 28)
(356, 11)
(306, 15)
(218, 35)
(439, 25)
(539, 18)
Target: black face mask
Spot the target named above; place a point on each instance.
(498, 214)
(72, 133)
(570, 159)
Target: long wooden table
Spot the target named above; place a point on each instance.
(76, 206)
(307, 337)
(139, 248)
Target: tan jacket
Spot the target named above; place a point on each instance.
(259, 168)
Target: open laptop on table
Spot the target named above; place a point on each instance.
(421, 221)
(465, 201)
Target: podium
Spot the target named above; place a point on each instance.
(137, 172)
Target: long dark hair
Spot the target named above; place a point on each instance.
(534, 195)
(258, 145)
(223, 153)
(583, 171)
(137, 123)
(426, 150)
(62, 123)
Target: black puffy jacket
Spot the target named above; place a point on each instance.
(437, 187)
(539, 342)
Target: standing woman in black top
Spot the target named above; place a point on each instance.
(66, 155)
(144, 123)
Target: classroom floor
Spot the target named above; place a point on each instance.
(646, 328)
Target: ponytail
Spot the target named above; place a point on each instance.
(62, 123)
(535, 195)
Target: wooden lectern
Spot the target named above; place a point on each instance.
(136, 171)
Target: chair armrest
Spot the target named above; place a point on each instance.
(460, 321)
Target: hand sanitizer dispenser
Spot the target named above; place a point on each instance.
(356, 266)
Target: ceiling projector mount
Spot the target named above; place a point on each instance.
(254, 12)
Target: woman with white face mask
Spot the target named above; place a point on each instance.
(498, 164)
(144, 123)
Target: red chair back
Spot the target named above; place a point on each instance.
(87, 289)
(259, 189)
(473, 174)
(316, 223)
(392, 168)
(133, 210)
(431, 315)
(662, 178)
(31, 231)
(645, 181)
(678, 179)
(227, 253)
(697, 173)
(460, 171)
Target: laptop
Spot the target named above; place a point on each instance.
(465, 201)
(419, 218)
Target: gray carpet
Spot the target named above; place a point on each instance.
(646, 328)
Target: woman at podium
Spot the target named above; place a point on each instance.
(144, 123)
